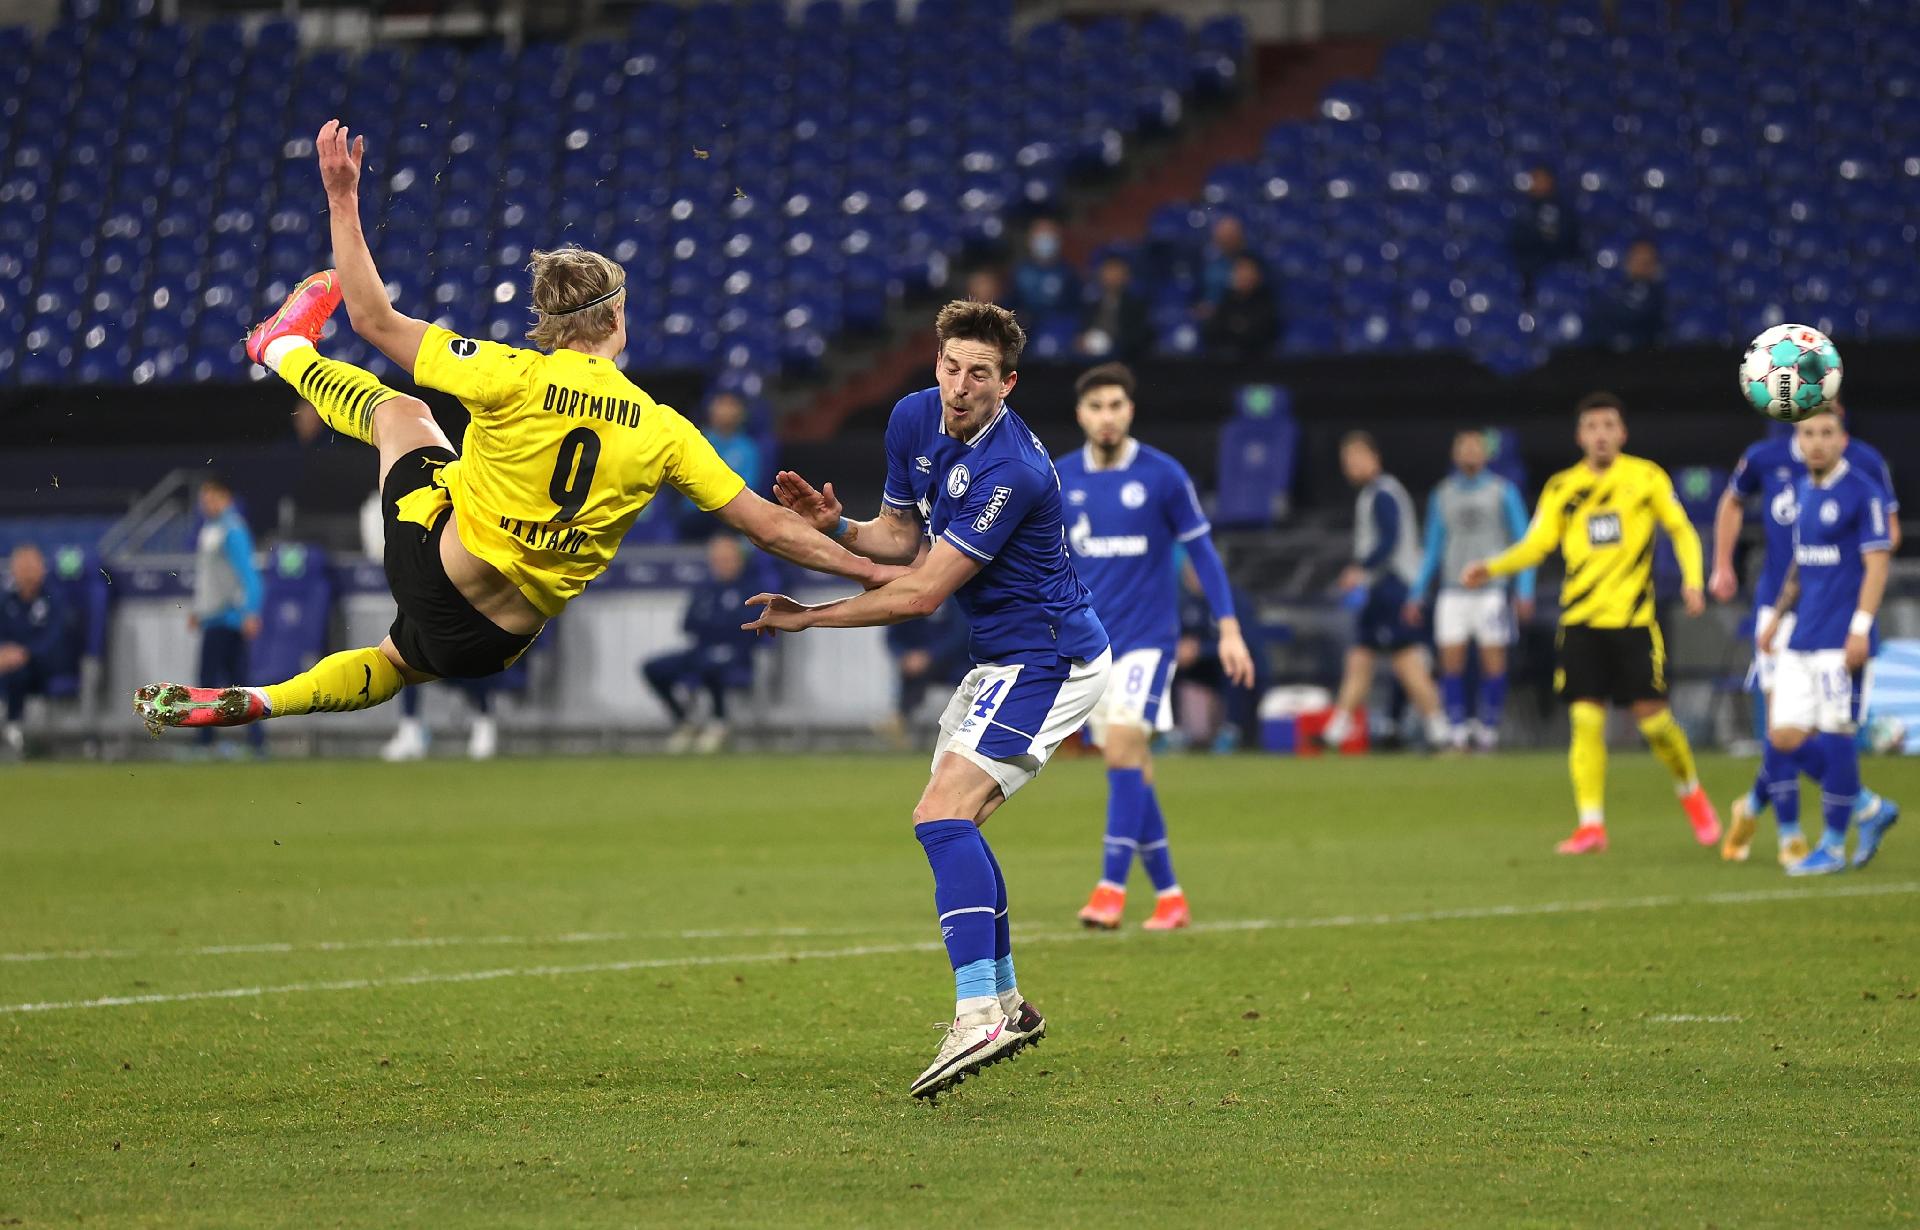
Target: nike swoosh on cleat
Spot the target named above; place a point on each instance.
(995, 1035)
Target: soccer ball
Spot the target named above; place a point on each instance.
(1791, 372)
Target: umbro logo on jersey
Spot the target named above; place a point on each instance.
(957, 480)
(463, 348)
(923, 464)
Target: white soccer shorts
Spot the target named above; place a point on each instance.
(1477, 615)
(1814, 690)
(1138, 694)
(1764, 664)
(1009, 719)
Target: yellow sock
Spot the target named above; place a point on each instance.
(344, 395)
(1669, 743)
(1587, 761)
(338, 683)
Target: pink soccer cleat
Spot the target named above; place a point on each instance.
(173, 704)
(1587, 839)
(303, 314)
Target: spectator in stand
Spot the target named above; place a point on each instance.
(226, 596)
(35, 640)
(1546, 232)
(727, 430)
(927, 653)
(984, 286)
(1044, 287)
(1197, 656)
(409, 741)
(721, 656)
(1633, 316)
(1245, 324)
(1116, 323)
(1226, 247)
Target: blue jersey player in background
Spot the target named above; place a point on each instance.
(1127, 505)
(1842, 544)
(973, 498)
(1770, 473)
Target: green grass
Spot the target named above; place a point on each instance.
(1358, 1062)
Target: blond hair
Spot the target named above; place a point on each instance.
(564, 280)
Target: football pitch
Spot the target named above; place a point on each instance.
(693, 992)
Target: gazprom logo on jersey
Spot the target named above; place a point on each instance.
(1116, 546)
(1813, 555)
(957, 480)
(1784, 507)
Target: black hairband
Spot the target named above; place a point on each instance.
(589, 303)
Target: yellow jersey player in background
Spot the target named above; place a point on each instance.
(562, 453)
(1601, 516)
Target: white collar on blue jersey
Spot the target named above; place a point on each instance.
(1833, 475)
(980, 435)
(1128, 452)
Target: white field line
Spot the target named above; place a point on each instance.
(441, 941)
(1688, 1018)
(760, 933)
(1037, 937)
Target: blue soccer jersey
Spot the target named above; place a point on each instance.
(997, 499)
(1772, 470)
(1122, 524)
(1841, 519)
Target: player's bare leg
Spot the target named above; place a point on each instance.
(1356, 680)
(1411, 668)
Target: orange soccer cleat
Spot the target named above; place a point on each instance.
(1700, 814)
(1587, 839)
(1170, 913)
(303, 314)
(1103, 909)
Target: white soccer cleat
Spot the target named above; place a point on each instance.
(972, 1042)
(408, 743)
(484, 742)
(712, 737)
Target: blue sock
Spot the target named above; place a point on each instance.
(963, 893)
(1125, 791)
(1839, 786)
(1002, 928)
(1493, 700)
(1758, 796)
(1154, 855)
(1453, 698)
(1780, 770)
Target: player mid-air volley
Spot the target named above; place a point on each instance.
(483, 548)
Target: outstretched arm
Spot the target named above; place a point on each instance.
(892, 537)
(1727, 519)
(781, 532)
(913, 596)
(371, 312)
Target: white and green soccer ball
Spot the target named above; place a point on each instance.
(1791, 372)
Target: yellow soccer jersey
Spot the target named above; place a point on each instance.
(1603, 526)
(561, 455)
